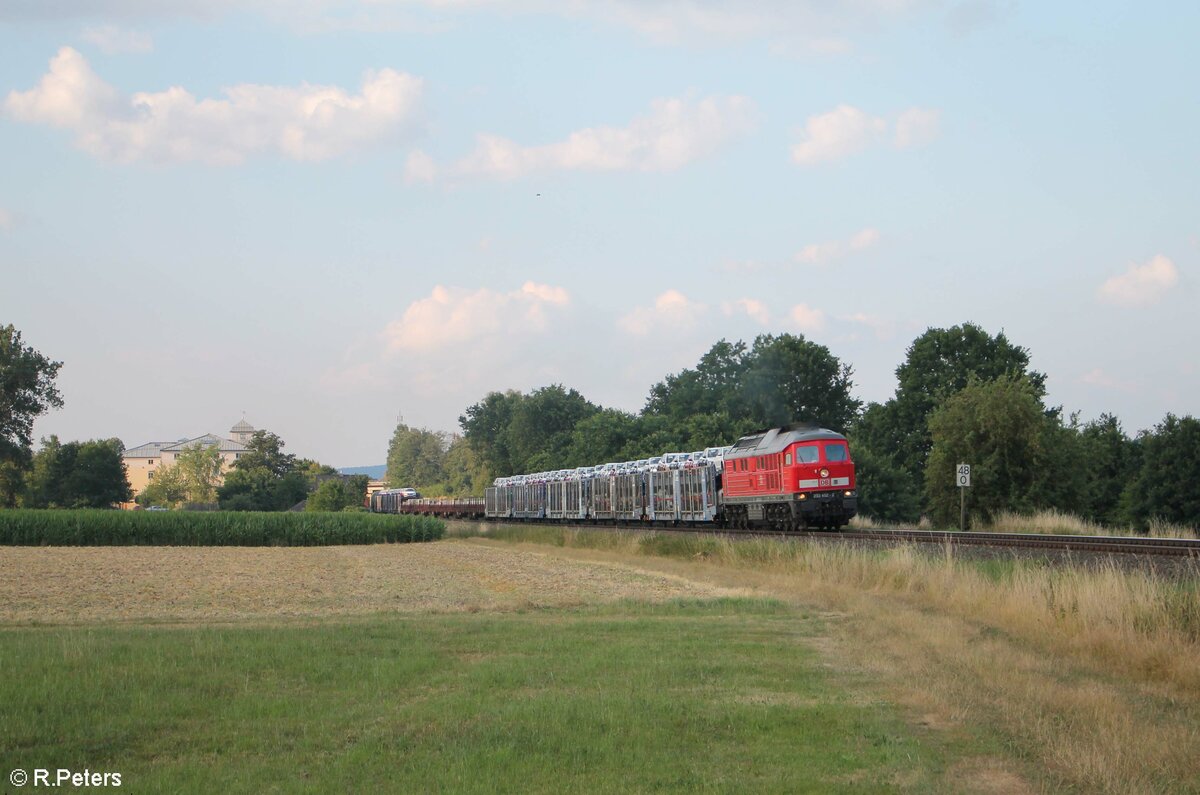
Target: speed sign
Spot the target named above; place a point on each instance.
(963, 476)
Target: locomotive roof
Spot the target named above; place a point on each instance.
(774, 440)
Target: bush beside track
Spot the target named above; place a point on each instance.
(210, 528)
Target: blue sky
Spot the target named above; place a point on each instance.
(328, 213)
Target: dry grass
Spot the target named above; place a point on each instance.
(1058, 523)
(1048, 522)
(1134, 621)
(68, 585)
(860, 522)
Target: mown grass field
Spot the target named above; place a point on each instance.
(538, 659)
(710, 695)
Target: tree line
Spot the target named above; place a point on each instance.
(962, 396)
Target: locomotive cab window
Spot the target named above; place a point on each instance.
(787, 459)
(836, 452)
(807, 454)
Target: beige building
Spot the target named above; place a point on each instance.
(143, 461)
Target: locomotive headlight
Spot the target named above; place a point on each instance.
(802, 497)
(824, 472)
(849, 494)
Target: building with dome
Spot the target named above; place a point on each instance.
(143, 461)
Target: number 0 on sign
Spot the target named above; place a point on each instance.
(963, 478)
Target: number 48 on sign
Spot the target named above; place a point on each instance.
(963, 476)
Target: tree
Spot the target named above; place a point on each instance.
(166, 488)
(416, 457)
(98, 478)
(264, 478)
(601, 437)
(1165, 485)
(485, 425)
(712, 388)
(200, 468)
(258, 489)
(1063, 483)
(339, 494)
(996, 427)
(938, 364)
(77, 475)
(265, 450)
(27, 391)
(1113, 461)
(465, 474)
(193, 477)
(781, 379)
(790, 378)
(539, 431)
(885, 489)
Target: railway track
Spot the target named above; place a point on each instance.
(1126, 545)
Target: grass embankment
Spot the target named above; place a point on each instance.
(1093, 671)
(723, 695)
(1049, 522)
(210, 528)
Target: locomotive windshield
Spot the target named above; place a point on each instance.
(807, 454)
(836, 452)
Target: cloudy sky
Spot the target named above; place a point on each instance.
(326, 214)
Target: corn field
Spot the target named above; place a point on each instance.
(210, 528)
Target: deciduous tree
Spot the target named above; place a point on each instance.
(1165, 485)
(265, 450)
(938, 364)
(27, 391)
(339, 494)
(416, 457)
(77, 475)
(996, 427)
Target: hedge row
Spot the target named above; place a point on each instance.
(210, 528)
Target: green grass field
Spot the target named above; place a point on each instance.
(723, 695)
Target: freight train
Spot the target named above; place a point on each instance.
(797, 477)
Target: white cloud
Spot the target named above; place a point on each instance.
(452, 315)
(823, 253)
(748, 306)
(304, 123)
(836, 134)
(674, 133)
(672, 311)
(917, 127)
(883, 329)
(847, 130)
(113, 40)
(807, 319)
(419, 168)
(1141, 285)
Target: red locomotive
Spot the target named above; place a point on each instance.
(791, 478)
